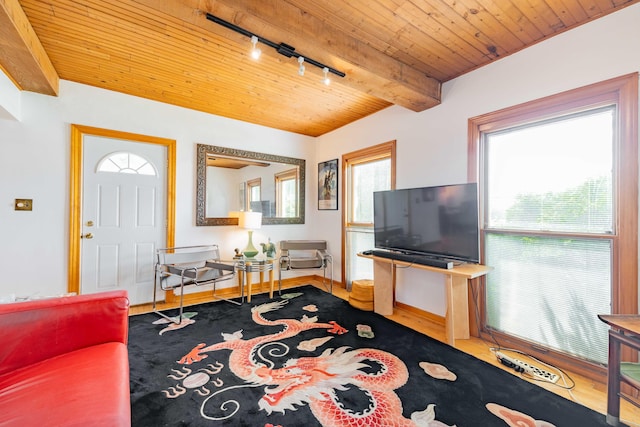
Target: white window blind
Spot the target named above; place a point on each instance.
(548, 230)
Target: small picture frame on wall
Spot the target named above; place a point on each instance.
(328, 185)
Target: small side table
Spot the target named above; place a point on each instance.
(247, 266)
(625, 329)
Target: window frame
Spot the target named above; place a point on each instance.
(280, 178)
(251, 184)
(623, 92)
(368, 154)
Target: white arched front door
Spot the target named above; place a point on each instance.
(123, 217)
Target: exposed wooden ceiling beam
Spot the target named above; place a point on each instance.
(367, 69)
(22, 56)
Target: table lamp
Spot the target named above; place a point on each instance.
(251, 221)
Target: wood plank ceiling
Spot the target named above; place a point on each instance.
(392, 51)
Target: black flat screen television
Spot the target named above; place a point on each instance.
(439, 222)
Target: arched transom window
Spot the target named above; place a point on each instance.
(125, 162)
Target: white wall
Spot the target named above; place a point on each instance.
(35, 164)
(432, 145)
(9, 99)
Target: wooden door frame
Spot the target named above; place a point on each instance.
(75, 191)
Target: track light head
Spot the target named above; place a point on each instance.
(301, 67)
(326, 80)
(255, 51)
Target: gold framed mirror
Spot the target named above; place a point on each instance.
(231, 180)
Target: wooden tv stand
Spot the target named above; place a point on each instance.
(457, 316)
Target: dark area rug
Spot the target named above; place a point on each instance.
(310, 359)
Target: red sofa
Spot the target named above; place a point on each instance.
(64, 361)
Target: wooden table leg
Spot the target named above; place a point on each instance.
(383, 278)
(241, 284)
(248, 280)
(457, 316)
(270, 279)
(261, 279)
(613, 380)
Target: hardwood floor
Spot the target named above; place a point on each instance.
(586, 391)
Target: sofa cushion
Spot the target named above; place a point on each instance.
(86, 387)
(33, 331)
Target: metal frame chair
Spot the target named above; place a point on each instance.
(182, 266)
(305, 255)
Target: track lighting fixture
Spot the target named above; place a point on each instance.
(255, 51)
(281, 48)
(326, 80)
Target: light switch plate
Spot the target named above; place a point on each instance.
(23, 204)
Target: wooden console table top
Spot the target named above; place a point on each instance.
(626, 322)
(468, 271)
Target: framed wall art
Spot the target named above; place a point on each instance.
(328, 185)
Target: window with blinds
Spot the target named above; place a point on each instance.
(558, 193)
(549, 227)
(365, 171)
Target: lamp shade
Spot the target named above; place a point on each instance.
(250, 220)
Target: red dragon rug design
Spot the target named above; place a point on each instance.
(315, 380)
(301, 381)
